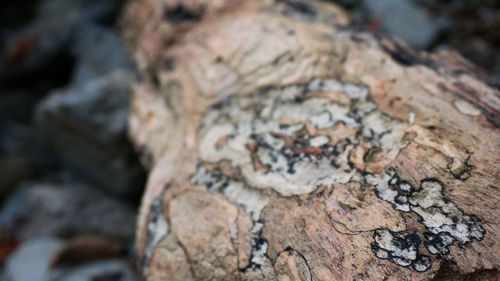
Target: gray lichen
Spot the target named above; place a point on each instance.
(401, 248)
(274, 122)
(251, 200)
(157, 228)
(444, 221)
(281, 138)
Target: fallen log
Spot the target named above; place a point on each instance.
(283, 146)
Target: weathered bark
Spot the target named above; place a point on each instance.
(282, 146)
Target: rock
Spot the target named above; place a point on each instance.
(17, 14)
(44, 43)
(406, 21)
(87, 248)
(31, 261)
(86, 125)
(8, 244)
(108, 270)
(100, 51)
(21, 156)
(15, 170)
(65, 211)
(86, 121)
(16, 107)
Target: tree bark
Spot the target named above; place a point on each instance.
(283, 146)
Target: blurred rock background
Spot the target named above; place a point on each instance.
(70, 182)
(471, 27)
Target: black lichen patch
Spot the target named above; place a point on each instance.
(213, 179)
(259, 250)
(445, 223)
(400, 248)
(405, 56)
(180, 13)
(154, 214)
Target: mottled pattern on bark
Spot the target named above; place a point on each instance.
(284, 147)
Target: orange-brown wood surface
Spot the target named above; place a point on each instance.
(283, 146)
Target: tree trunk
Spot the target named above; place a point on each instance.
(284, 146)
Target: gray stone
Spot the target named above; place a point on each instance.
(44, 209)
(86, 124)
(19, 157)
(47, 37)
(31, 261)
(406, 21)
(100, 51)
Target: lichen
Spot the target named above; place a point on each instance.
(400, 248)
(157, 228)
(268, 136)
(444, 221)
(287, 139)
(250, 200)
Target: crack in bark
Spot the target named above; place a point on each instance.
(291, 249)
(188, 259)
(334, 221)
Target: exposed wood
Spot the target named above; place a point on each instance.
(283, 146)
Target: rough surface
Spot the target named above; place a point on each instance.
(304, 151)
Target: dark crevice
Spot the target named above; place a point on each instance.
(56, 72)
(449, 271)
(473, 97)
(406, 56)
(180, 13)
(188, 259)
(333, 222)
(300, 8)
(464, 173)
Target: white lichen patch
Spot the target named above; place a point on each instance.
(250, 200)
(444, 221)
(258, 257)
(264, 135)
(157, 229)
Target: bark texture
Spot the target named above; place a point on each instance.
(283, 146)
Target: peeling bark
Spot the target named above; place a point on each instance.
(283, 146)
